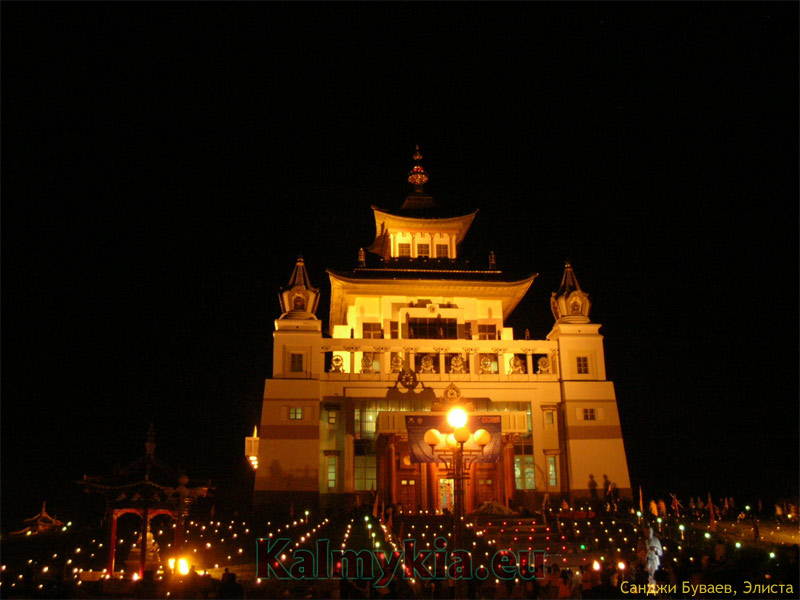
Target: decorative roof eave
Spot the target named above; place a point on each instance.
(385, 220)
(510, 292)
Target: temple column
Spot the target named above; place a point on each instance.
(143, 548)
(433, 487)
(392, 471)
(470, 488)
(348, 412)
(112, 541)
(423, 487)
(508, 471)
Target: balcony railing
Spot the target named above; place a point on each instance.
(440, 360)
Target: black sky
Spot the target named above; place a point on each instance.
(163, 164)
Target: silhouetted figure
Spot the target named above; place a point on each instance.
(592, 488)
(146, 586)
(230, 588)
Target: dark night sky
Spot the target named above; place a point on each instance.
(163, 164)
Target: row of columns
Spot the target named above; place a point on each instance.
(428, 475)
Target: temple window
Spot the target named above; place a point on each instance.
(295, 414)
(442, 251)
(332, 416)
(487, 332)
(589, 414)
(372, 330)
(524, 472)
(583, 365)
(423, 250)
(433, 329)
(331, 460)
(365, 421)
(394, 329)
(549, 417)
(552, 472)
(365, 476)
(296, 363)
(403, 249)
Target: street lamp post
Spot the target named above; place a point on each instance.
(456, 458)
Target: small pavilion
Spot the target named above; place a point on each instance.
(148, 487)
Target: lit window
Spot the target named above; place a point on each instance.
(524, 472)
(441, 251)
(589, 414)
(365, 476)
(332, 414)
(372, 330)
(365, 421)
(331, 472)
(432, 329)
(487, 332)
(296, 414)
(403, 249)
(552, 474)
(423, 250)
(296, 363)
(583, 365)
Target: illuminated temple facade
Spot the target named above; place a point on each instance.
(413, 331)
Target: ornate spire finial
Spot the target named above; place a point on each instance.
(150, 444)
(298, 299)
(570, 304)
(417, 176)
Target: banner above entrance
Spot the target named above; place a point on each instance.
(418, 425)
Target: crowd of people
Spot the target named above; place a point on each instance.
(723, 509)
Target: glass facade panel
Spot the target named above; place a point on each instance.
(365, 476)
(331, 460)
(433, 329)
(552, 474)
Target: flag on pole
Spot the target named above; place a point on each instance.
(641, 501)
(375, 507)
(756, 534)
(712, 518)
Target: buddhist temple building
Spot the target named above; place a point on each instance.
(414, 331)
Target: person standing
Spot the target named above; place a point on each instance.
(654, 554)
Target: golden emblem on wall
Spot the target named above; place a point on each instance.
(450, 398)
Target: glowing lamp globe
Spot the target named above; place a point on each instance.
(433, 437)
(482, 437)
(183, 566)
(451, 440)
(457, 418)
(461, 435)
